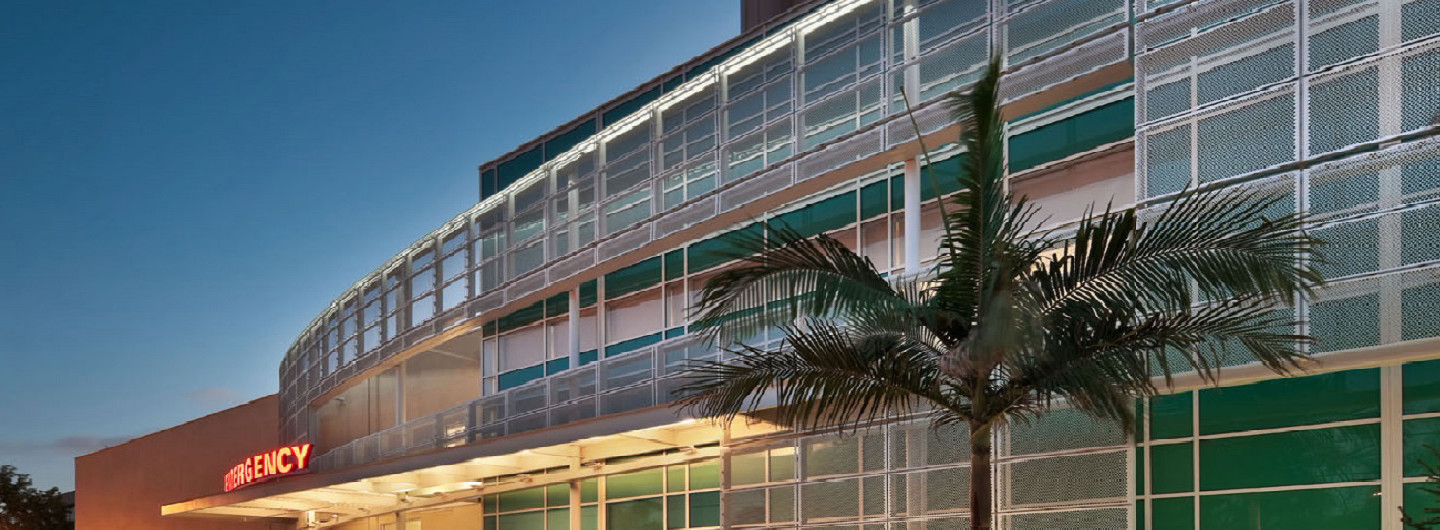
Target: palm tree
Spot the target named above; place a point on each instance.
(1011, 320)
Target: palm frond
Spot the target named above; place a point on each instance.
(784, 275)
(823, 376)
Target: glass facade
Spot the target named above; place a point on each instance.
(564, 296)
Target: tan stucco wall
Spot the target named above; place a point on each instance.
(123, 487)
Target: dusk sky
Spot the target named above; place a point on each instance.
(185, 184)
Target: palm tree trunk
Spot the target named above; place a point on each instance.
(981, 478)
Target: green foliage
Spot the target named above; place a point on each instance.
(22, 507)
(1012, 320)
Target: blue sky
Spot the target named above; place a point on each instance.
(184, 185)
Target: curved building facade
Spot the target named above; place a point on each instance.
(513, 368)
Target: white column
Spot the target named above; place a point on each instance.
(912, 216)
(574, 328)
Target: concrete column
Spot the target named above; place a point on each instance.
(574, 328)
(912, 216)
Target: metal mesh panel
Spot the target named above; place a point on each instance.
(1103, 519)
(1180, 23)
(1341, 37)
(830, 501)
(1420, 305)
(1420, 96)
(1248, 138)
(1065, 480)
(1344, 109)
(1103, 51)
(1060, 430)
(1045, 26)
(1222, 62)
(1346, 316)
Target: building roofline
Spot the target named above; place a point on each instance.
(177, 426)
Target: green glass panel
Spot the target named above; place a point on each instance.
(589, 517)
(674, 264)
(1173, 514)
(628, 107)
(589, 293)
(640, 514)
(557, 495)
(1418, 501)
(590, 490)
(1355, 508)
(522, 317)
(1172, 468)
(1290, 402)
(1318, 456)
(1170, 416)
(897, 193)
(634, 278)
(944, 178)
(492, 503)
(675, 511)
(874, 200)
(526, 499)
(1417, 434)
(558, 519)
(675, 478)
(492, 523)
(782, 464)
(720, 249)
(1422, 387)
(1139, 471)
(1109, 123)
(634, 484)
(558, 305)
(523, 521)
(823, 216)
(705, 509)
(747, 468)
(626, 346)
(705, 475)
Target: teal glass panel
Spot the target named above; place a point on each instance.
(589, 356)
(823, 216)
(705, 475)
(640, 514)
(1171, 416)
(526, 499)
(944, 178)
(674, 332)
(720, 249)
(589, 517)
(1354, 508)
(636, 343)
(1320, 456)
(637, 277)
(514, 378)
(562, 142)
(874, 200)
(1290, 402)
(1421, 383)
(1172, 468)
(557, 495)
(555, 366)
(674, 264)
(523, 521)
(635, 484)
(674, 479)
(630, 106)
(589, 293)
(1109, 123)
(590, 490)
(1173, 514)
(558, 519)
(1417, 434)
(511, 170)
(675, 511)
(705, 509)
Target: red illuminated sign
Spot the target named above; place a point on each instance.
(268, 465)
